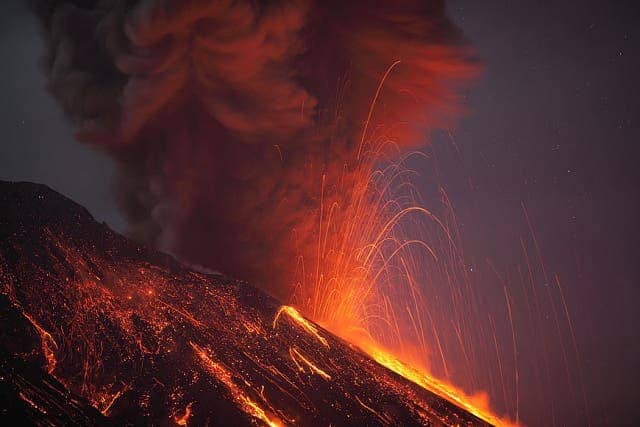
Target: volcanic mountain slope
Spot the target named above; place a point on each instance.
(96, 329)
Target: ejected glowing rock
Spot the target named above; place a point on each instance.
(145, 340)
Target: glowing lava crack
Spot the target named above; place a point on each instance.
(98, 330)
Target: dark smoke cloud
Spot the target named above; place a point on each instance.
(225, 115)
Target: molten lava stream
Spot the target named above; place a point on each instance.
(478, 406)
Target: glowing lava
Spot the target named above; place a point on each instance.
(183, 420)
(479, 406)
(300, 320)
(246, 403)
(141, 339)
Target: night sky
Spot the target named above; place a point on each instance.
(552, 125)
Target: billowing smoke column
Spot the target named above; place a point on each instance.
(233, 121)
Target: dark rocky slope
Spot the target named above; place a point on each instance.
(96, 329)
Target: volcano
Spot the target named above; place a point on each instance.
(98, 330)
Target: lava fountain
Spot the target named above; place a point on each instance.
(375, 248)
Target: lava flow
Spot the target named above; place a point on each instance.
(98, 330)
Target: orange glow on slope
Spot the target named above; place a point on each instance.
(184, 419)
(296, 355)
(111, 401)
(222, 374)
(301, 321)
(48, 344)
(477, 405)
(385, 420)
(30, 401)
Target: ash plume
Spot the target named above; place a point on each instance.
(232, 121)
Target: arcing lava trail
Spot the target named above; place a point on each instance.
(93, 323)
